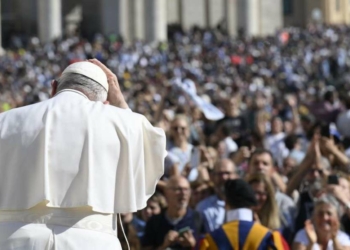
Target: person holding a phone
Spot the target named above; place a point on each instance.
(308, 181)
(333, 187)
(331, 147)
(338, 185)
(177, 227)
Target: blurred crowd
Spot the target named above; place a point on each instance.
(285, 128)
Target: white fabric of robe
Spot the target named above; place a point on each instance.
(20, 236)
(43, 227)
(72, 152)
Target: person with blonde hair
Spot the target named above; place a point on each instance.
(155, 205)
(267, 211)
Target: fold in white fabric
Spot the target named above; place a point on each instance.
(21, 236)
(83, 218)
(71, 152)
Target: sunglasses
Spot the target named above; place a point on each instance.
(179, 127)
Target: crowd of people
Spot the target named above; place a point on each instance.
(285, 105)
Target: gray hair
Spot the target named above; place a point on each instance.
(330, 200)
(93, 90)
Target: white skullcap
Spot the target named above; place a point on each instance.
(89, 70)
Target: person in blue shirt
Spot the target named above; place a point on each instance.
(213, 207)
(177, 227)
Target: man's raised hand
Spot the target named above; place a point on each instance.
(115, 96)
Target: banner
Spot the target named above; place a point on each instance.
(209, 110)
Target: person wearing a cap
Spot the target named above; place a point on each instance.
(70, 164)
(240, 231)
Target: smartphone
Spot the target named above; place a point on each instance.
(183, 230)
(325, 131)
(195, 157)
(333, 180)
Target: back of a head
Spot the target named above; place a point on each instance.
(290, 141)
(86, 78)
(328, 95)
(239, 194)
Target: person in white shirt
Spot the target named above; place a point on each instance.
(70, 164)
(343, 118)
(181, 149)
(323, 232)
(275, 141)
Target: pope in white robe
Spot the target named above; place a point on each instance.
(70, 164)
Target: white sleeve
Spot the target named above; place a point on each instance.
(301, 237)
(140, 165)
(154, 145)
(193, 175)
(343, 238)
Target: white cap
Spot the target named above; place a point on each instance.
(89, 70)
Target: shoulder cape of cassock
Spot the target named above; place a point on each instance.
(71, 152)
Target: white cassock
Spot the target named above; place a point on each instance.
(68, 166)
